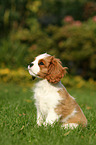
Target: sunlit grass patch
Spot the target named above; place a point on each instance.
(18, 119)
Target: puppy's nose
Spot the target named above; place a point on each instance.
(31, 64)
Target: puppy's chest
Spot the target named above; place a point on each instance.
(46, 96)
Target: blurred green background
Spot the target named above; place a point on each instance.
(64, 28)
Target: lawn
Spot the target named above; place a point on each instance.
(18, 119)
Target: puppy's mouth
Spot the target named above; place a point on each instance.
(33, 78)
(32, 74)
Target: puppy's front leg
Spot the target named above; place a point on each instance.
(51, 117)
(39, 118)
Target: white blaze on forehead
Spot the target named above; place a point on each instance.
(42, 56)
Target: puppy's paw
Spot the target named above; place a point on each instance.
(39, 123)
(45, 123)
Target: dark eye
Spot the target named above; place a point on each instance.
(41, 63)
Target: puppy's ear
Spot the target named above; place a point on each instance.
(55, 70)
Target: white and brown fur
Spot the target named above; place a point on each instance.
(53, 102)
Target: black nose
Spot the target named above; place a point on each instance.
(31, 64)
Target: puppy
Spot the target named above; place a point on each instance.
(52, 100)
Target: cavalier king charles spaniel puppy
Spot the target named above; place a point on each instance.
(52, 100)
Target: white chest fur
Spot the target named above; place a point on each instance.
(47, 98)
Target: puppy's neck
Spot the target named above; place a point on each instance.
(46, 85)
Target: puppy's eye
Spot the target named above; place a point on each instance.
(41, 63)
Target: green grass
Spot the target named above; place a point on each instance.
(18, 119)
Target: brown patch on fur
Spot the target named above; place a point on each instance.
(78, 118)
(44, 68)
(52, 69)
(67, 106)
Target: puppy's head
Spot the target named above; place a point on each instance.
(47, 67)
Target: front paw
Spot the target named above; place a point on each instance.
(48, 123)
(39, 123)
(45, 123)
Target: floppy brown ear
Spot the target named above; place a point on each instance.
(55, 71)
